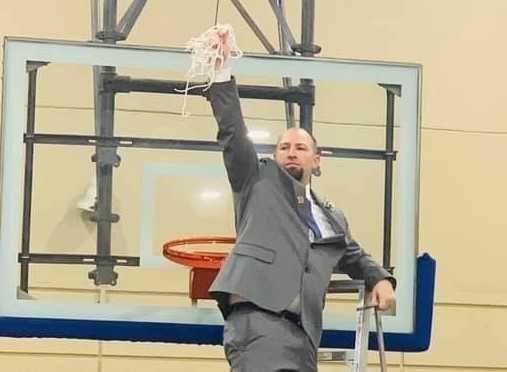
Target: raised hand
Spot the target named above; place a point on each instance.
(224, 45)
(210, 53)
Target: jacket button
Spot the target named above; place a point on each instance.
(307, 269)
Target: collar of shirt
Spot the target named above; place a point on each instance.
(318, 214)
(308, 193)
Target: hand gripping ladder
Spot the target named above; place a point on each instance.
(358, 358)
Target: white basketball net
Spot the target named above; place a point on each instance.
(208, 51)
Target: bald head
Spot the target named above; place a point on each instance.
(296, 151)
(301, 132)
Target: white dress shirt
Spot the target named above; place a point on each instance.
(319, 216)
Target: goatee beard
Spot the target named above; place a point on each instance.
(296, 173)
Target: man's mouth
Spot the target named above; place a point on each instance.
(292, 165)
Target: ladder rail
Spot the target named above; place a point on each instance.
(359, 363)
(362, 332)
(380, 340)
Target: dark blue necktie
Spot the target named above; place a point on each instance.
(310, 220)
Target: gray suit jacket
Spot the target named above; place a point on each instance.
(273, 260)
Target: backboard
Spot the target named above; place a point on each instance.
(169, 182)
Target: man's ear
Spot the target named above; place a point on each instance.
(316, 169)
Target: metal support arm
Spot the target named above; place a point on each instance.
(130, 17)
(124, 84)
(251, 23)
(280, 17)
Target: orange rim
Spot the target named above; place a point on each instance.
(197, 259)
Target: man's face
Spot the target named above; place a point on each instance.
(297, 154)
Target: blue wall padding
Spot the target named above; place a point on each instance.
(419, 340)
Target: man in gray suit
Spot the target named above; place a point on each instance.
(271, 289)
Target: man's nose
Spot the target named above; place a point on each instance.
(292, 152)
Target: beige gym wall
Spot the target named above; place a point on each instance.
(459, 44)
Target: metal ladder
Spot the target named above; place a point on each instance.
(358, 358)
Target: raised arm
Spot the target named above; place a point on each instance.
(239, 154)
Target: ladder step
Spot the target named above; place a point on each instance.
(345, 286)
(336, 356)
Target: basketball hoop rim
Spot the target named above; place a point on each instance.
(197, 259)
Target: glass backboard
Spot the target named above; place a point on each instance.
(169, 182)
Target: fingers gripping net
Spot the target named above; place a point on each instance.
(209, 52)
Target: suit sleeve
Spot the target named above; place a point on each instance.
(239, 154)
(359, 265)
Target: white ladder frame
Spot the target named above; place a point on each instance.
(359, 357)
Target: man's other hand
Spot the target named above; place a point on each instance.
(383, 295)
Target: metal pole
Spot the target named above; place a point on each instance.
(307, 50)
(307, 23)
(285, 49)
(362, 332)
(110, 14)
(125, 84)
(95, 18)
(28, 181)
(283, 26)
(94, 4)
(105, 157)
(194, 145)
(388, 180)
(380, 341)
